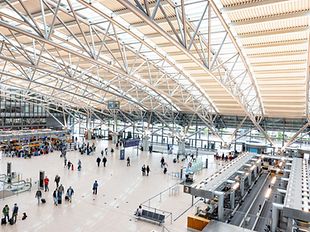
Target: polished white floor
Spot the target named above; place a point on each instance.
(121, 190)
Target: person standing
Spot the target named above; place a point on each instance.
(98, 160)
(6, 212)
(46, 181)
(95, 188)
(128, 161)
(55, 197)
(104, 161)
(57, 180)
(61, 190)
(15, 212)
(70, 193)
(38, 195)
(148, 170)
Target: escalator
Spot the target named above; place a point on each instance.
(10, 187)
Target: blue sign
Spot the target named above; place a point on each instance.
(131, 142)
(122, 154)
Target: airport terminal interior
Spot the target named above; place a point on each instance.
(154, 115)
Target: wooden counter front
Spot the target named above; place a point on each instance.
(197, 223)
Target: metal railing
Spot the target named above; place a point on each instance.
(14, 187)
(171, 190)
(164, 229)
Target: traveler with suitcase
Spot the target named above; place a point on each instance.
(61, 190)
(55, 197)
(5, 211)
(70, 192)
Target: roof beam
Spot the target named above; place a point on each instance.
(269, 19)
(247, 5)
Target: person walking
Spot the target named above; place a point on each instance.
(57, 180)
(162, 162)
(61, 190)
(98, 160)
(70, 193)
(38, 195)
(69, 164)
(65, 162)
(6, 212)
(165, 168)
(15, 213)
(46, 181)
(148, 170)
(95, 188)
(143, 170)
(101, 152)
(128, 161)
(79, 165)
(55, 197)
(106, 151)
(104, 161)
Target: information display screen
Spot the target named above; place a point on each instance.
(113, 105)
(131, 142)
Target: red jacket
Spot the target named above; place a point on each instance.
(46, 180)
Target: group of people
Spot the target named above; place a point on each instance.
(224, 157)
(28, 152)
(58, 192)
(106, 151)
(86, 148)
(145, 170)
(6, 215)
(104, 161)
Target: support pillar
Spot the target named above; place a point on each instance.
(275, 216)
(220, 206)
(242, 187)
(181, 147)
(115, 134)
(88, 127)
(232, 200)
(250, 178)
(145, 142)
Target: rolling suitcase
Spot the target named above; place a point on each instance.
(11, 221)
(43, 201)
(3, 221)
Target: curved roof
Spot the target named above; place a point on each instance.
(229, 57)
